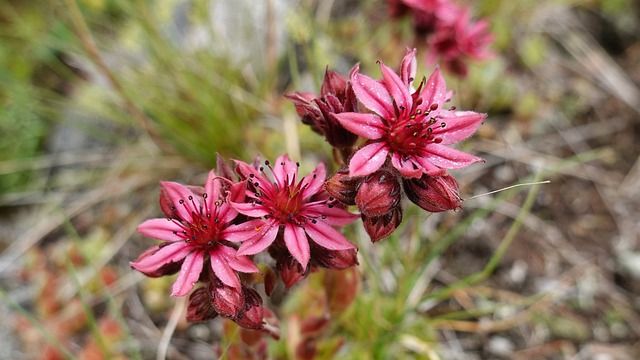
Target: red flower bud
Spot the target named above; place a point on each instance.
(379, 227)
(200, 306)
(251, 316)
(290, 270)
(434, 194)
(342, 187)
(378, 193)
(333, 259)
(227, 301)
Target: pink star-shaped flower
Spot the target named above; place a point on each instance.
(411, 129)
(196, 231)
(301, 209)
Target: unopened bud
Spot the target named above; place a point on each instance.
(434, 194)
(251, 316)
(227, 301)
(290, 270)
(343, 187)
(200, 306)
(379, 227)
(378, 193)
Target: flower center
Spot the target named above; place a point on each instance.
(414, 131)
(284, 197)
(204, 228)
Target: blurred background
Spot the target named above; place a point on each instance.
(102, 99)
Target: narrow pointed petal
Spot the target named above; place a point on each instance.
(312, 183)
(435, 90)
(212, 188)
(406, 167)
(368, 159)
(409, 67)
(188, 275)
(179, 194)
(297, 243)
(250, 209)
(398, 90)
(244, 231)
(168, 254)
(372, 94)
(265, 237)
(449, 158)
(284, 170)
(459, 125)
(161, 229)
(238, 263)
(327, 237)
(221, 268)
(334, 216)
(369, 126)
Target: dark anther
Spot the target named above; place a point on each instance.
(181, 201)
(251, 175)
(297, 164)
(323, 216)
(190, 197)
(208, 216)
(266, 162)
(313, 221)
(443, 124)
(205, 195)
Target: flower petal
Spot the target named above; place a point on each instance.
(265, 237)
(459, 125)
(327, 237)
(398, 90)
(368, 159)
(409, 67)
(244, 231)
(372, 94)
(189, 274)
(222, 269)
(406, 167)
(179, 195)
(162, 229)
(296, 240)
(434, 92)
(167, 254)
(449, 158)
(312, 183)
(284, 170)
(334, 216)
(238, 263)
(369, 126)
(250, 209)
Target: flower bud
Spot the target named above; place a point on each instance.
(378, 193)
(251, 317)
(290, 270)
(342, 187)
(379, 227)
(227, 301)
(200, 306)
(434, 194)
(333, 259)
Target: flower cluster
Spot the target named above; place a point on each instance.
(390, 138)
(451, 35)
(406, 134)
(211, 233)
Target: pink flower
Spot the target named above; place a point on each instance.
(301, 210)
(457, 38)
(196, 232)
(410, 129)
